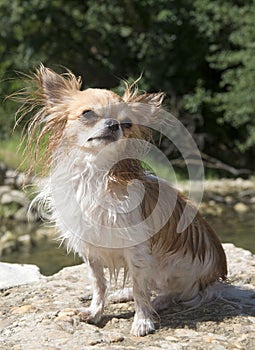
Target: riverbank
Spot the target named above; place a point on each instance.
(41, 315)
(228, 205)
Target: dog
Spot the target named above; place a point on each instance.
(107, 207)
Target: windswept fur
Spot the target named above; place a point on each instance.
(47, 99)
(48, 106)
(110, 210)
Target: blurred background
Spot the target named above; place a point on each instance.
(200, 52)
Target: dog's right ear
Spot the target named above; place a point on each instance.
(56, 88)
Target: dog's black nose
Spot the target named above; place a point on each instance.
(112, 124)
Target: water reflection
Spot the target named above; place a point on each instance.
(48, 256)
(236, 228)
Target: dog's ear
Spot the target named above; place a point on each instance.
(154, 99)
(56, 88)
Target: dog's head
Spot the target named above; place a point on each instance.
(89, 119)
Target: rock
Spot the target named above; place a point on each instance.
(229, 199)
(16, 274)
(7, 247)
(23, 309)
(114, 337)
(241, 207)
(45, 233)
(3, 170)
(4, 189)
(21, 214)
(15, 196)
(10, 177)
(8, 236)
(252, 200)
(8, 243)
(24, 240)
(41, 315)
(211, 209)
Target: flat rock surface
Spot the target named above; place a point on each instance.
(41, 315)
(12, 275)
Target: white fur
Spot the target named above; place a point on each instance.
(74, 194)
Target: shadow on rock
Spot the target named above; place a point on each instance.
(233, 301)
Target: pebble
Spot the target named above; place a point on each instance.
(4, 189)
(67, 312)
(229, 199)
(14, 196)
(241, 207)
(94, 341)
(114, 320)
(25, 239)
(21, 214)
(252, 200)
(23, 309)
(115, 338)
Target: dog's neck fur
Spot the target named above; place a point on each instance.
(91, 200)
(120, 175)
(125, 171)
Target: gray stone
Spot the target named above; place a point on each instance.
(10, 177)
(8, 236)
(7, 243)
(252, 200)
(241, 207)
(15, 196)
(3, 170)
(4, 189)
(21, 214)
(25, 240)
(17, 274)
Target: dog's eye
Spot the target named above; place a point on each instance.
(88, 114)
(127, 123)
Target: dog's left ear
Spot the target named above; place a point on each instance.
(56, 88)
(154, 99)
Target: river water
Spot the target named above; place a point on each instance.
(230, 226)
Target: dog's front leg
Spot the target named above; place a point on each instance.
(93, 314)
(140, 270)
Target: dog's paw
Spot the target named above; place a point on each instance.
(142, 327)
(89, 316)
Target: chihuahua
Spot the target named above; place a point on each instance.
(107, 207)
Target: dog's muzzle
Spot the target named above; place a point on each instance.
(110, 132)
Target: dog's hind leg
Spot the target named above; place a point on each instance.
(162, 302)
(122, 295)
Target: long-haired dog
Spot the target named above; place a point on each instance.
(107, 207)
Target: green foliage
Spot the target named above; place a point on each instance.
(200, 52)
(229, 28)
(11, 151)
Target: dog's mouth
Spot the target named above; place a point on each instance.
(109, 133)
(107, 138)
